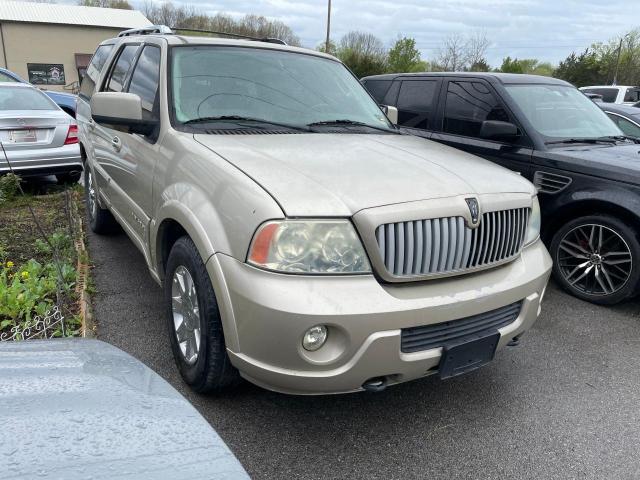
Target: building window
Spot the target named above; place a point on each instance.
(46, 73)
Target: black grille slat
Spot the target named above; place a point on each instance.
(438, 335)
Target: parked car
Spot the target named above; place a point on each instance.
(593, 97)
(626, 118)
(622, 94)
(585, 170)
(77, 409)
(299, 237)
(37, 137)
(66, 101)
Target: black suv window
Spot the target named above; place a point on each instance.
(115, 83)
(609, 95)
(469, 104)
(632, 95)
(415, 102)
(145, 80)
(93, 70)
(378, 89)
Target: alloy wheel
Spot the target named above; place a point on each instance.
(186, 314)
(594, 259)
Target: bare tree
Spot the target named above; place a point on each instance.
(452, 56)
(476, 48)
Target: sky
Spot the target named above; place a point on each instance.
(547, 29)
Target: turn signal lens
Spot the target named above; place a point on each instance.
(309, 246)
(72, 135)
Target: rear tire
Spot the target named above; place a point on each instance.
(194, 322)
(100, 219)
(597, 258)
(64, 178)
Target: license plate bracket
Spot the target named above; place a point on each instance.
(463, 357)
(22, 136)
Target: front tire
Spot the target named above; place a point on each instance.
(597, 258)
(194, 322)
(100, 219)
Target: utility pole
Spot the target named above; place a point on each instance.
(326, 45)
(615, 75)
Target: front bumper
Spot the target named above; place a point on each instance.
(43, 161)
(266, 314)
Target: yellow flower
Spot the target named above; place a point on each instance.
(24, 275)
(9, 264)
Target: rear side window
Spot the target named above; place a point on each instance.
(145, 80)
(469, 104)
(115, 82)
(609, 95)
(378, 89)
(93, 70)
(24, 98)
(627, 127)
(415, 102)
(632, 95)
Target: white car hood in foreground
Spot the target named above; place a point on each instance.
(327, 174)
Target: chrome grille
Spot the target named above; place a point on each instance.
(445, 245)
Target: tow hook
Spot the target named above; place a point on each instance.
(515, 341)
(375, 384)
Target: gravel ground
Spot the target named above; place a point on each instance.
(563, 404)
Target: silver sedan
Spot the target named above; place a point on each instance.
(36, 136)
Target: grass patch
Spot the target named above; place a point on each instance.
(35, 273)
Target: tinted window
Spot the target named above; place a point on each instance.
(145, 79)
(121, 68)
(24, 98)
(609, 95)
(468, 105)
(378, 89)
(627, 127)
(632, 95)
(93, 70)
(415, 102)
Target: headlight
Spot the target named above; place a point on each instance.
(533, 229)
(308, 246)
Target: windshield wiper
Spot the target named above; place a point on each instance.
(623, 137)
(350, 123)
(238, 118)
(583, 140)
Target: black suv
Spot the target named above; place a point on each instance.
(586, 171)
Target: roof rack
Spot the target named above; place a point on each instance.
(233, 35)
(161, 29)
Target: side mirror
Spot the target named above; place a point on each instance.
(122, 110)
(497, 129)
(391, 113)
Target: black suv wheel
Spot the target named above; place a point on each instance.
(194, 322)
(596, 258)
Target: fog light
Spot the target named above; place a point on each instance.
(314, 338)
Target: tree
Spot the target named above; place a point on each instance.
(526, 65)
(120, 4)
(363, 53)
(405, 57)
(476, 49)
(333, 48)
(452, 56)
(480, 66)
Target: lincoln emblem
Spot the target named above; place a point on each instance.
(474, 209)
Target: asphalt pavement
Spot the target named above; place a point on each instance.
(563, 404)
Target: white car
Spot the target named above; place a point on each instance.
(615, 93)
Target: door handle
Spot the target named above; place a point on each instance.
(116, 143)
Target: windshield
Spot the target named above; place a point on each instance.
(559, 112)
(277, 86)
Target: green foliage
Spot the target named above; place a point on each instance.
(480, 66)
(9, 186)
(525, 65)
(405, 57)
(363, 53)
(31, 288)
(597, 64)
(333, 48)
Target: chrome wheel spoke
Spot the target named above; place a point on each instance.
(594, 259)
(186, 314)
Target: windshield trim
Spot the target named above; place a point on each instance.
(180, 126)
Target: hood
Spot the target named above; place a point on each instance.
(341, 174)
(616, 162)
(77, 409)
